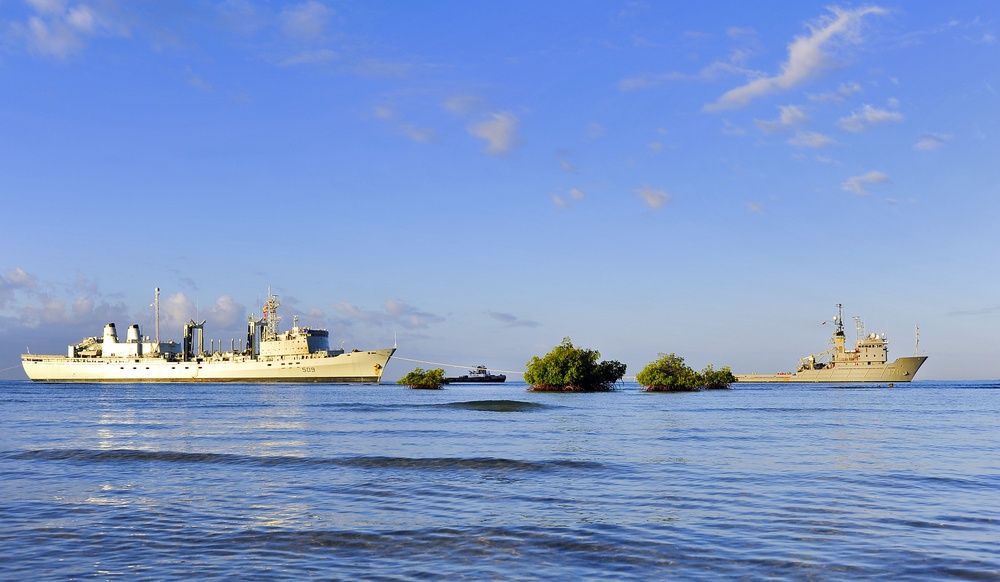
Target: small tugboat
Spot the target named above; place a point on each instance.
(867, 362)
(480, 374)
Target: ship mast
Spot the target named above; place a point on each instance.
(271, 315)
(916, 345)
(156, 310)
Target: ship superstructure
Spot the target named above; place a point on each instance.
(301, 354)
(479, 375)
(867, 361)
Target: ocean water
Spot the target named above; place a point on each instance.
(481, 482)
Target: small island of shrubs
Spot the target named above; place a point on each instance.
(425, 380)
(671, 374)
(571, 369)
(568, 368)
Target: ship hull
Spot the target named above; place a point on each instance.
(349, 367)
(497, 379)
(901, 370)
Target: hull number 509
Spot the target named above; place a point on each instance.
(308, 369)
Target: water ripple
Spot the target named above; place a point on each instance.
(375, 462)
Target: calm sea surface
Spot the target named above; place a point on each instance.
(494, 482)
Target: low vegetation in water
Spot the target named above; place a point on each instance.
(571, 369)
(717, 379)
(671, 374)
(426, 380)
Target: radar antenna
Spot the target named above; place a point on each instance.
(271, 315)
(839, 319)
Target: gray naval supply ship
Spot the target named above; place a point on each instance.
(301, 354)
(867, 362)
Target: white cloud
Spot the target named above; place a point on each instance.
(411, 131)
(499, 132)
(21, 278)
(868, 116)
(176, 310)
(393, 312)
(13, 281)
(807, 56)
(226, 313)
(809, 139)
(306, 21)
(513, 320)
(418, 134)
(730, 128)
(707, 73)
(790, 115)
(58, 30)
(650, 80)
(857, 184)
(652, 197)
(574, 195)
(931, 141)
(463, 105)
(843, 92)
(48, 6)
(733, 65)
(754, 207)
(82, 18)
(52, 39)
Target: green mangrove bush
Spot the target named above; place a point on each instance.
(670, 374)
(427, 380)
(571, 369)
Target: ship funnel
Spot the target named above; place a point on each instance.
(110, 334)
(132, 335)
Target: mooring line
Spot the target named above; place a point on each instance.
(453, 365)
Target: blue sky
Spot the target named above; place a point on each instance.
(478, 180)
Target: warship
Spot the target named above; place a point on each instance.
(300, 354)
(866, 362)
